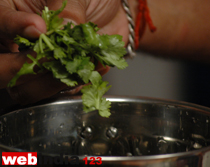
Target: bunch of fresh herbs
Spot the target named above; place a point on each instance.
(72, 52)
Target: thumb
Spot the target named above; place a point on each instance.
(75, 10)
(15, 22)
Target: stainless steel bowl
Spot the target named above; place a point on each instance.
(141, 132)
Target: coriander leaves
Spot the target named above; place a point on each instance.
(72, 52)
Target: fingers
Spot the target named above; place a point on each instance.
(118, 25)
(71, 91)
(9, 45)
(102, 69)
(35, 87)
(30, 26)
(102, 12)
(40, 88)
(45, 86)
(4, 49)
(10, 64)
(75, 10)
(15, 22)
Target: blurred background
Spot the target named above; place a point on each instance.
(157, 77)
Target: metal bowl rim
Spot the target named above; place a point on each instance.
(77, 99)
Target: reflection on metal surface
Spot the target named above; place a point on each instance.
(111, 132)
(140, 132)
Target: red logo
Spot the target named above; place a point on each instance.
(19, 158)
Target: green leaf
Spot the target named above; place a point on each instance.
(82, 66)
(20, 40)
(23, 43)
(85, 75)
(27, 68)
(71, 51)
(79, 64)
(112, 54)
(57, 12)
(95, 78)
(51, 18)
(77, 33)
(115, 42)
(91, 36)
(92, 98)
(60, 72)
(59, 53)
(110, 60)
(69, 40)
(104, 110)
(55, 23)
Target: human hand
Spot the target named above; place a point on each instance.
(19, 17)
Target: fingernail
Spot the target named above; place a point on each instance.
(66, 20)
(31, 32)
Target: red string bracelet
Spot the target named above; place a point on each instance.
(142, 19)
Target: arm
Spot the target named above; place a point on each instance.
(183, 29)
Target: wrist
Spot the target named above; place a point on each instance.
(134, 8)
(141, 16)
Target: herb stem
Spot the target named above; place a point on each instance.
(52, 31)
(47, 41)
(34, 60)
(40, 44)
(97, 102)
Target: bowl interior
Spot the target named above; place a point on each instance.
(136, 127)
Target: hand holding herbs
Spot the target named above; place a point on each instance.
(72, 52)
